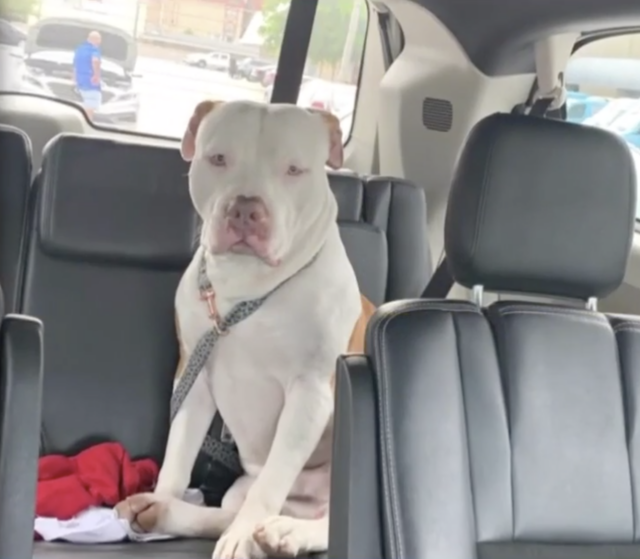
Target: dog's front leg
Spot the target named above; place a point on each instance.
(307, 410)
(163, 510)
(186, 435)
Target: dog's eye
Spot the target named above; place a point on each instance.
(218, 160)
(294, 171)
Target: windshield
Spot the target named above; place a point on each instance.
(176, 54)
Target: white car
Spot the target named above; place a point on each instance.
(214, 60)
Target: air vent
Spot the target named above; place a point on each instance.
(437, 114)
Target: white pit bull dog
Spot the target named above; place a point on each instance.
(259, 183)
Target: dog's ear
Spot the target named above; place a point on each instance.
(188, 145)
(336, 150)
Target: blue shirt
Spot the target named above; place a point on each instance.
(83, 66)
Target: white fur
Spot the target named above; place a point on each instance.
(270, 377)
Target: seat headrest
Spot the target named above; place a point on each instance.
(541, 206)
(105, 200)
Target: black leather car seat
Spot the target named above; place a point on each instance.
(512, 431)
(111, 229)
(20, 405)
(15, 180)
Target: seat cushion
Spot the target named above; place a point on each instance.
(177, 549)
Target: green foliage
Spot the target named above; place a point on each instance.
(19, 9)
(330, 29)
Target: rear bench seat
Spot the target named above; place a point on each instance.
(111, 232)
(15, 179)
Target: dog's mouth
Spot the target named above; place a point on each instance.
(257, 248)
(226, 241)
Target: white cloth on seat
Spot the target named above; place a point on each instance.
(100, 525)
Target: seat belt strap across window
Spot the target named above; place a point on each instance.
(293, 52)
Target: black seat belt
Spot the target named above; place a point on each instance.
(440, 283)
(293, 52)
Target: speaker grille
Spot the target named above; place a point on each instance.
(437, 114)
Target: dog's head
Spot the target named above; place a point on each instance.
(258, 177)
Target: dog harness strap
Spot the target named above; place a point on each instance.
(218, 444)
(214, 445)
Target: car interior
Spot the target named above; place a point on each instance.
(495, 411)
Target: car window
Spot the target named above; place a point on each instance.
(576, 111)
(606, 72)
(195, 51)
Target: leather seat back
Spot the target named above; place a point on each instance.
(512, 430)
(111, 231)
(15, 180)
(383, 223)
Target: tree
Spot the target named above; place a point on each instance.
(329, 29)
(18, 9)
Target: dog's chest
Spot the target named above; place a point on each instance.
(248, 368)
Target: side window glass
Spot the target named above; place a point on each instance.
(162, 57)
(332, 72)
(604, 77)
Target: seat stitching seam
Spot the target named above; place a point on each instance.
(535, 309)
(626, 327)
(465, 418)
(575, 318)
(390, 489)
(626, 406)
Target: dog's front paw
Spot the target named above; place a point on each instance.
(283, 536)
(146, 512)
(238, 543)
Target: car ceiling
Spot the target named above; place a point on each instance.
(498, 35)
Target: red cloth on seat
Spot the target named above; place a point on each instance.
(102, 475)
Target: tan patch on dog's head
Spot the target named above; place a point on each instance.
(188, 144)
(336, 149)
(182, 357)
(356, 342)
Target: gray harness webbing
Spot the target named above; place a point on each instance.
(212, 445)
(218, 447)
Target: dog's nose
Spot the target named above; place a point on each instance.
(246, 211)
